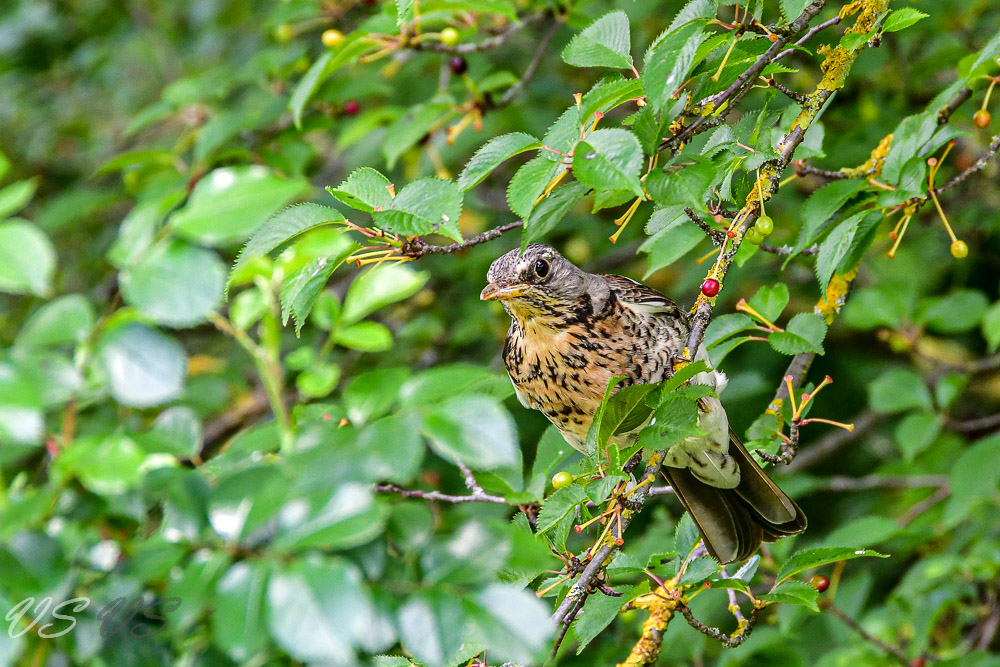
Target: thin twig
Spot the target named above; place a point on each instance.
(470, 479)
(924, 505)
(973, 425)
(844, 483)
(854, 625)
(442, 497)
(729, 641)
(566, 623)
(417, 247)
(661, 491)
(529, 72)
(809, 35)
(785, 250)
(804, 169)
(958, 100)
(715, 236)
(799, 98)
(485, 45)
(979, 164)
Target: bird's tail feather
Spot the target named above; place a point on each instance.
(733, 522)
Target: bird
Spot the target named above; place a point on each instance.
(571, 332)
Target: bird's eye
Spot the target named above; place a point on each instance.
(541, 268)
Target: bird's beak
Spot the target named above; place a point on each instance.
(499, 292)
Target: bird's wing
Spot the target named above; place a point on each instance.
(637, 295)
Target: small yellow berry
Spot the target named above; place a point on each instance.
(283, 32)
(449, 37)
(981, 119)
(959, 250)
(332, 38)
(561, 479)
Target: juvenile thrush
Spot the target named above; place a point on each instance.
(572, 331)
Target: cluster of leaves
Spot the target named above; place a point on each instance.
(142, 456)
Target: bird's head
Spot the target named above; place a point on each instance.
(538, 283)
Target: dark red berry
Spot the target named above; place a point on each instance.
(820, 582)
(458, 65)
(710, 287)
(351, 107)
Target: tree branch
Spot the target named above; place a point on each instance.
(850, 622)
(417, 247)
(442, 497)
(844, 483)
(529, 71)
(485, 45)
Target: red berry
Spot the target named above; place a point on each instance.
(351, 107)
(820, 582)
(458, 65)
(981, 119)
(710, 287)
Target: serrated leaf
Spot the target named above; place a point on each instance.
(425, 206)
(491, 154)
(528, 184)
(282, 227)
(551, 211)
(608, 94)
(810, 558)
(365, 189)
(667, 63)
(770, 300)
(699, 570)
(902, 18)
(600, 610)
(605, 43)
(558, 505)
(793, 592)
(792, 8)
(300, 289)
(820, 206)
(686, 535)
(805, 333)
(609, 160)
(724, 326)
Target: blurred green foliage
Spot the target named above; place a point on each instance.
(168, 432)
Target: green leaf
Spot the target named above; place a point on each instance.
(898, 390)
(770, 300)
(836, 247)
(476, 430)
(318, 380)
(300, 290)
(605, 43)
(177, 431)
(365, 189)
(27, 259)
(820, 206)
(425, 206)
(144, 367)
(318, 610)
(991, 326)
(902, 18)
(916, 432)
(238, 617)
(393, 448)
(529, 183)
(411, 127)
(724, 326)
(347, 517)
(515, 625)
(491, 154)
(670, 243)
(804, 333)
(16, 196)
(433, 628)
(625, 412)
(683, 187)
(245, 501)
(373, 393)
(973, 479)
(551, 211)
(792, 8)
(700, 569)
(229, 203)
(175, 284)
(598, 613)
(810, 558)
(869, 308)
(864, 531)
(686, 535)
(559, 505)
(667, 63)
(609, 160)
(64, 320)
(353, 45)
(379, 287)
(959, 311)
(793, 592)
(441, 382)
(365, 336)
(106, 465)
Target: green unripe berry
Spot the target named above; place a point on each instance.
(754, 237)
(959, 250)
(449, 37)
(561, 479)
(283, 32)
(764, 225)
